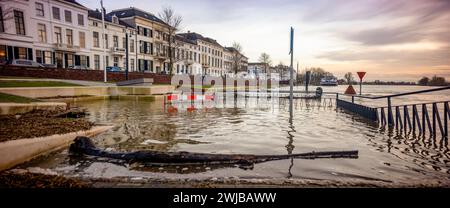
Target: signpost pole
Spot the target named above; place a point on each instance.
(291, 81)
(361, 76)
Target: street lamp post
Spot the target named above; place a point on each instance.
(126, 55)
(105, 79)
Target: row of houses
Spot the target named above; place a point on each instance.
(65, 33)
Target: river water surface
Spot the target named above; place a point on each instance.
(261, 126)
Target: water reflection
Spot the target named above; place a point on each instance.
(426, 151)
(261, 126)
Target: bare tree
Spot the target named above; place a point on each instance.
(236, 56)
(349, 77)
(7, 14)
(169, 17)
(265, 59)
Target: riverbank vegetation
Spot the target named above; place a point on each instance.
(434, 81)
(316, 75)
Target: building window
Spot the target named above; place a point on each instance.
(58, 35)
(116, 41)
(96, 40)
(2, 28)
(96, 62)
(80, 20)
(39, 9)
(82, 38)
(69, 36)
(22, 53)
(69, 60)
(132, 46)
(124, 43)
(149, 48)
(84, 61)
(106, 41)
(42, 34)
(115, 20)
(59, 59)
(107, 60)
(132, 64)
(48, 59)
(3, 53)
(20, 24)
(68, 16)
(39, 56)
(116, 61)
(55, 12)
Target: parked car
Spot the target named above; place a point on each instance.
(24, 62)
(79, 67)
(113, 69)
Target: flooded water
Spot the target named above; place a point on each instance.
(261, 126)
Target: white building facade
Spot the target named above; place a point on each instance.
(49, 32)
(111, 50)
(64, 33)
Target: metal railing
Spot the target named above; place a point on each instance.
(414, 122)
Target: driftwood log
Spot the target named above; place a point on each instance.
(84, 145)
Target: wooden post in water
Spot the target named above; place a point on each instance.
(406, 117)
(416, 119)
(446, 117)
(390, 116)
(437, 117)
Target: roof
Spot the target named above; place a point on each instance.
(183, 39)
(132, 12)
(231, 49)
(74, 2)
(108, 18)
(195, 36)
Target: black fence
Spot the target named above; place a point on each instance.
(413, 117)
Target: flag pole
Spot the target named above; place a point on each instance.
(291, 81)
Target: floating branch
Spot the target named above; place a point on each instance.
(84, 145)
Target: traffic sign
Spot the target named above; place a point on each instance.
(361, 75)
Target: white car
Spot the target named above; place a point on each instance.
(24, 62)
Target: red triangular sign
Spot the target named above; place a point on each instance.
(361, 75)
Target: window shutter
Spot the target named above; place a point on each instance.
(77, 60)
(16, 53)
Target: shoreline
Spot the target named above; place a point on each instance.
(23, 178)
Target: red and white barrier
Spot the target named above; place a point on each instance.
(188, 97)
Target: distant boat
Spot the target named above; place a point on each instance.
(328, 81)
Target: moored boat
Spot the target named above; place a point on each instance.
(328, 81)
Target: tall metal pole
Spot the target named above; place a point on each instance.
(105, 79)
(360, 86)
(126, 55)
(291, 81)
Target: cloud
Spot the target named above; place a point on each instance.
(426, 20)
(431, 58)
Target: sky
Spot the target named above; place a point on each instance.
(392, 40)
